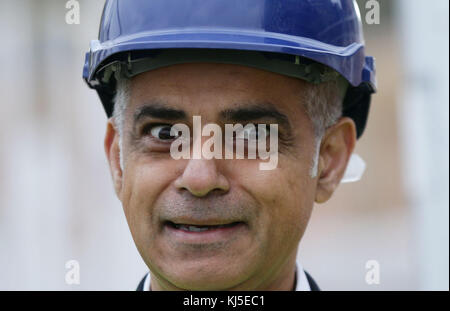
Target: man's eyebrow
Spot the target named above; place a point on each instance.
(158, 110)
(255, 112)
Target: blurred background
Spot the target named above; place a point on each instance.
(56, 196)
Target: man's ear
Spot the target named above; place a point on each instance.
(112, 150)
(335, 151)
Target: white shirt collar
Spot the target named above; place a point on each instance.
(302, 284)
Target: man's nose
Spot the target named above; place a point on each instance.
(202, 176)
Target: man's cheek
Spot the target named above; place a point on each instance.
(287, 199)
(137, 196)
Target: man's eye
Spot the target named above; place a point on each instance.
(162, 132)
(253, 133)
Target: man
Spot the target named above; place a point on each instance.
(217, 223)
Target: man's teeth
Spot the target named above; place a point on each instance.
(197, 228)
(194, 228)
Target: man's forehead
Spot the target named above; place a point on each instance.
(204, 87)
(234, 77)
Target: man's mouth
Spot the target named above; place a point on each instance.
(194, 232)
(200, 228)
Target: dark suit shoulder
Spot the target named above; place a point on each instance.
(140, 287)
(312, 284)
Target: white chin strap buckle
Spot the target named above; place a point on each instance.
(355, 169)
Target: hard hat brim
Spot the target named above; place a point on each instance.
(349, 61)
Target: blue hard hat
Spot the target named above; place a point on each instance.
(293, 32)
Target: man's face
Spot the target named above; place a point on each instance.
(265, 211)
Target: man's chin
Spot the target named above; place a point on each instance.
(210, 261)
(213, 272)
(207, 279)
